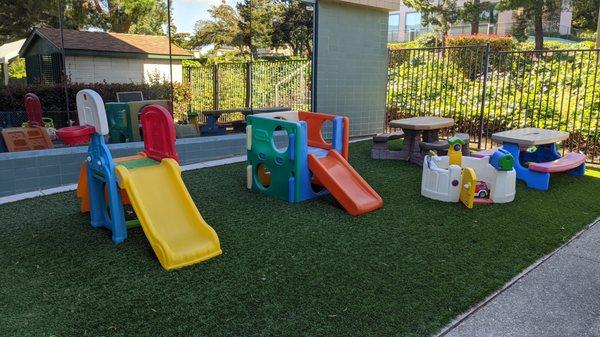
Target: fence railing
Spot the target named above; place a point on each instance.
(242, 85)
(489, 91)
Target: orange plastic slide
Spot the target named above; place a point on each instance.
(344, 183)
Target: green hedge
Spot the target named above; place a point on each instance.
(497, 42)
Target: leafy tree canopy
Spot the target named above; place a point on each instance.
(255, 24)
(473, 10)
(293, 28)
(585, 14)
(440, 14)
(533, 12)
(122, 16)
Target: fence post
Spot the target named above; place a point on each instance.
(249, 84)
(486, 65)
(191, 86)
(216, 86)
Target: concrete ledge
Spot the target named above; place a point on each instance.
(30, 171)
(32, 174)
(73, 187)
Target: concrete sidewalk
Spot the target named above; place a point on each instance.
(557, 296)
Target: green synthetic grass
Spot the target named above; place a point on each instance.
(286, 270)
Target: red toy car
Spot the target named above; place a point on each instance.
(482, 190)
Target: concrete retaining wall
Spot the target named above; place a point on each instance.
(36, 170)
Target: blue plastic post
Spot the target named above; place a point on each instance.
(536, 180)
(101, 173)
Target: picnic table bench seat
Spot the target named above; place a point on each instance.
(386, 137)
(380, 149)
(441, 146)
(562, 164)
(485, 153)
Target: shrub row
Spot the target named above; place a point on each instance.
(52, 96)
(497, 42)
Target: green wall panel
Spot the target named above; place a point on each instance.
(351, 70)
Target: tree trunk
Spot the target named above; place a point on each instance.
(598, 31)
(539, 30)
(475, 27)
(475, 20)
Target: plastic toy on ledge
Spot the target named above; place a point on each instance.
(33, 135)
(470, 180)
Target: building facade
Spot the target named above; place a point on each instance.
(99, 57)
(405, 23)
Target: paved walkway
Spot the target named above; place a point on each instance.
(558, 296)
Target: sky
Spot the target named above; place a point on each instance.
(187, 12)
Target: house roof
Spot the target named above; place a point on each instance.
(107, 42)
(9, 51)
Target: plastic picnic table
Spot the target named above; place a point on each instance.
(517, 142)
(428, 126)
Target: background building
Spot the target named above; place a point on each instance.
(95, 57)
(405, 23)
(8, 52)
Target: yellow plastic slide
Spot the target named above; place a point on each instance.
(169, 217)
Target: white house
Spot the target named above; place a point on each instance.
(8, 52)
(95, 57)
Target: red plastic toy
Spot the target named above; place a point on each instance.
(159, 133)
(33, 108)
(76, 135)
(482, 190)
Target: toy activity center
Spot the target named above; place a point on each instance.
(308, 162)
(453, 178)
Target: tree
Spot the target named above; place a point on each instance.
(520, 26)
(441, 14)
(598, 32)
(533, 11)
(152, 22)
(472, 11)
(18, 17)
(16, 68)
(125, 16)
(182, 40)
(221, 30)
(293, 28)
(130, 16)
(585, 14)
(256, 22)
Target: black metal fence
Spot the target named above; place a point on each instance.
(14, 119)
(489, 91)
(242, 85)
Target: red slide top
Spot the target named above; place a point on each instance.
(159, 133)
(314, 123)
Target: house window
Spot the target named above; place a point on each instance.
(413, 20)
(45, 69)
(393, 27)
(394, 22)
(489, 16)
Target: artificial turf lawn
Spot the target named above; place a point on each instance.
(287, 270)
